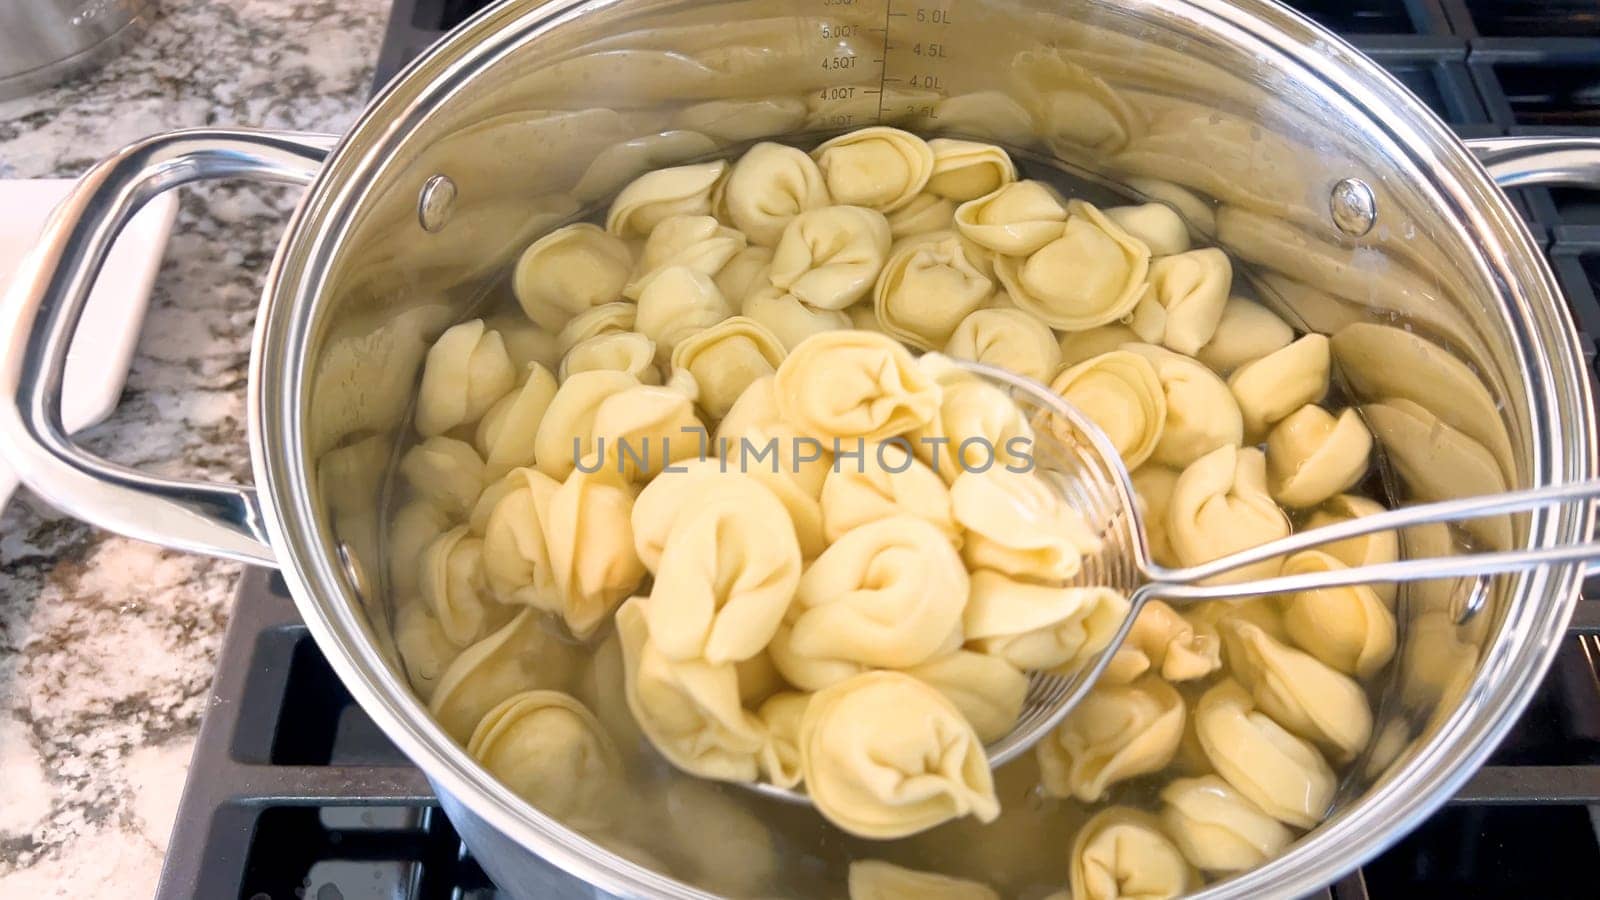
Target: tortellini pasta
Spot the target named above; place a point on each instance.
(871, 879)
(1281, 774)
(1366, 550)
(445, 472)
(620, 351)
(1036, 626)
(1299, 692)
(886, 481)
(780, 716)
(425, 650)
(789, 319)
(654, 196)
(1092, 274)
(1156, 224)
(967, 170)
(570, 270)
(927, 289)
(1312, 456)
(854, 384)
(566, 432)
(884, 755)
(726, 359)
(1153, 486)
(521, 656)
(516, 558)
(607, 318)
(643, 429)
(1201, 412)
(1349, 628)
(1164, 642)
(1015, 220)
(1077, 346)
(590, 540)
(879, 168)
(829, 257)
(454, 587)
(1122, 854)
(756, 423)
(1281, 382)
(1246, 332)
(1121, 392)
(977, 427)
(925, 214)
(551, 750)
(1217, 828)
(889, 593)
(506, 432)
(1188, 293)
(1220, 506)
(1009, 338)
(697, 243)
(727, 574)
(743, 274)
(1018, 525)
(466, 371)
(676, 303)
(690, 711)
(1116, 732)
(988, 690)
(768, 187)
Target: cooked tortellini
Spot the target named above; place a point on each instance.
(967, 170)
(1284, 776)
(768, 187)
(1299, 692)
(830, 257)
(621, 351)
(516, 558)
(1122, 854)
(872, 879)
(1121, 392)
(879, 168)
(521, 656)
(925, 214)
(927, 289)
(466, 371)
(755, 423)
(425, 650)
(727, 575)
(446, 473)
(607, 318)
(1036, 626)
(977, 427)
(1017, 524)
(788, 318)
(1092, 274)
(1201, 412)
(1156, 224)
(1116, 732)
(744, 274)
(1078, 346)
(727, 358)
(1187, 295)
(1217, 828)
(1311, 455)
(505, 433)
(1366, 550)
(1153, 486)
(690, 710)
(657, 195)
(781, 715)
(1281, 382)
(566, 431)
(1348, 628)
(643, 429)
(854, 384)
(551, 750)
(1164, 642)
(454, 587)
(590, 540)
(1246, 332)
(675, 490)
(1220, 506)
(988, 690)
(1008, 338)
(570, 270)
(885, 481)
(676, 303)
(884, 755)
(1015, 220)
(889, 593)
(697, 243)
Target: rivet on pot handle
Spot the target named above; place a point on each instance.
(1529, 161)
(41, 312)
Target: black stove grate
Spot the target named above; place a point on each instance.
(294, 794)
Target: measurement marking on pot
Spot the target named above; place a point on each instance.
(923, 49)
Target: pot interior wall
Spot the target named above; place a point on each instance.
(1137, 99)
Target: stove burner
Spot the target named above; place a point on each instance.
(294, 794)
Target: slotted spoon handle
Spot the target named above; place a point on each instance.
(1181, 584)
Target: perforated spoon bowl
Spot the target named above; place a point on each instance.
(1076, 457)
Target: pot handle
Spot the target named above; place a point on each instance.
(1516, 162)
(40, 314)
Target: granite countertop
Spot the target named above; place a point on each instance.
(106, 645)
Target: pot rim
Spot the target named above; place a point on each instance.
(1510, 669)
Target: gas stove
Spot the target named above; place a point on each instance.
(294, 794)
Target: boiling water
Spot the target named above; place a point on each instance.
(729, 840)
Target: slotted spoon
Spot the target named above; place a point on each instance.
(1076, 457)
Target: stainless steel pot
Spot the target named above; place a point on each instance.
(1346, 198)
(45, 41)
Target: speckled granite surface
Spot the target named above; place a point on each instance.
(107, 646)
